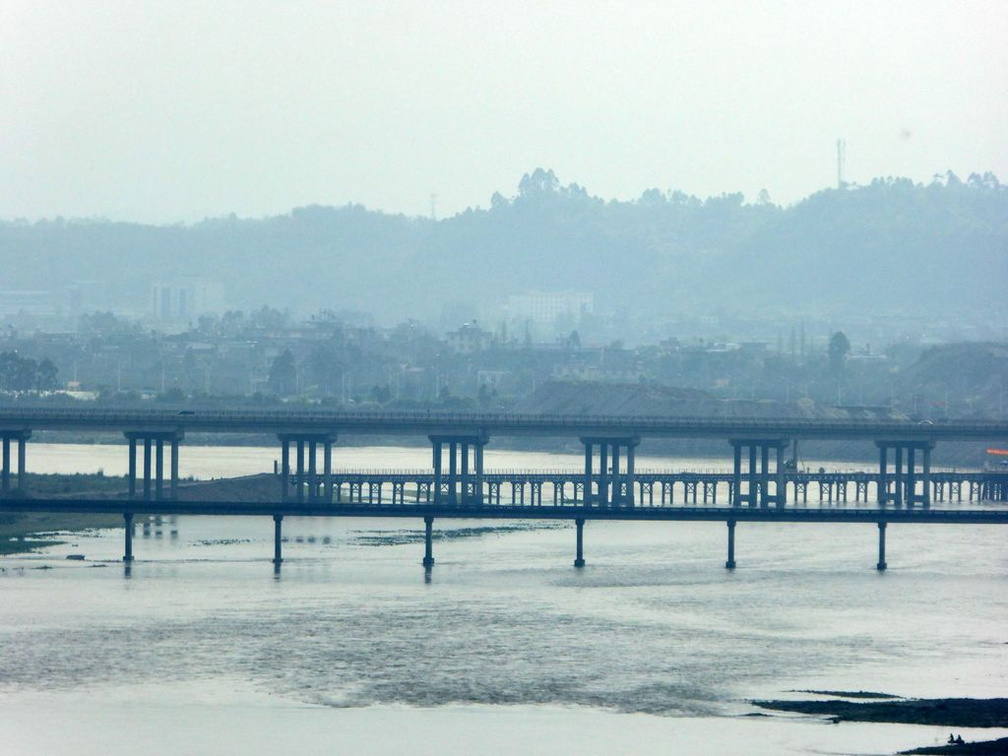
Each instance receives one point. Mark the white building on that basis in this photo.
(186, 298)
(544, 308)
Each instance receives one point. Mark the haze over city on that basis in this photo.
(443, 377)
(159, 113)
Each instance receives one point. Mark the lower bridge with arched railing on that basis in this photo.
(648, 489)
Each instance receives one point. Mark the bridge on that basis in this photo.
(610, 486)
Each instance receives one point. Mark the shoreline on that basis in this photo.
(883, 708)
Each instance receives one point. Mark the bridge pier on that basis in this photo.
(757, 477)
(21, 436)
(730, 563)
(881, 547)
(153, 456)
(462, 485)
(900, 486)
(613, 486)
(428, 560)
(277, 540)
(306, 476)
(128, 527)
(579, 552)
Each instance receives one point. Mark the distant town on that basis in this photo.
(343, 359)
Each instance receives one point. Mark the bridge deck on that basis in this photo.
(13, 419)
(489, 511)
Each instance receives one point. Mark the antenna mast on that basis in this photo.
(841, 163)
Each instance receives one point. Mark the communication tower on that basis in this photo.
(841, 163)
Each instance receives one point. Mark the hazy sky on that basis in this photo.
(174, 111)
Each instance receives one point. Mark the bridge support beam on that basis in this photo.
(305, 473)
(900, 486)
(428, 560)
(881, 547)
(730, 563)
(21, 436)
(153, 457)
(464, 482)
(579, 552)
(758, 475)
(128, 527)
(277, 540)
(612, 486)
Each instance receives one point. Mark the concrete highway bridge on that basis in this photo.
(457, 485)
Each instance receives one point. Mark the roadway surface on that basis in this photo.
(14, 420)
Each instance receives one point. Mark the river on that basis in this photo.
(504, 649)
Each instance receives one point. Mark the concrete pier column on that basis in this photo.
(881, 547)
(300, 474)
(730, 563)
(764, 476)
(159, 469)
(603, 480)
(284, 468)
(464, 472)
(630, 495)
(780, 494)
(22, 447)
(753, 475)
(128, 527)
(147, 469)
(736, 492)
(327, 471)
(277, 539)
(926, 476)
(132, 466)
(312, 471)
(464, 481)
(428, 560)
(587, 473)
(910, 495)
(174, 468)
(897, 494)
(453, 472)
(882, 486)
(478, 474)
(617, 477)
(579, 553)
(437, 471)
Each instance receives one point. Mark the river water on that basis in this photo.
(504, 648)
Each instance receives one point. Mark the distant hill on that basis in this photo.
(956, 380)
(892, 246)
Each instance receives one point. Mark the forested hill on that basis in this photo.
(890, 246)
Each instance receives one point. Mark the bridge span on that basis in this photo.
(609, 487)
(458, 440)
(577, 513)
